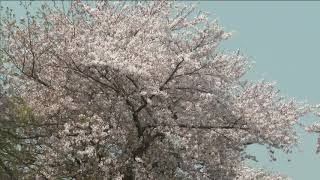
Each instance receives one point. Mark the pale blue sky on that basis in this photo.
(283, 39)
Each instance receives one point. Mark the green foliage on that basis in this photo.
(15, 124)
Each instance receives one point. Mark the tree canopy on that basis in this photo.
(138, 90)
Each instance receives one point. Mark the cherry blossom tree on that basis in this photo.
(140, 90)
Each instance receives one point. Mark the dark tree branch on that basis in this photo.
(199, 127)
(146, 144)
(171, 76)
